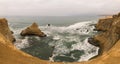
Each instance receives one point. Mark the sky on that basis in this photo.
(58, 7)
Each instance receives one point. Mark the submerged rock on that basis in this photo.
(32, 30)
(5, 30)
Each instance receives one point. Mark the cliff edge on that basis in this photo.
(5, 30)
(109, 40)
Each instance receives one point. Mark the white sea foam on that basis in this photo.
(22, 43)
(65, 35)
(90, 50)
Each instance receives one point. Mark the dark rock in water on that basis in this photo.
(94, 42)
(48, 24)
(95, 30)
(12, 32)
(32, 30)
(77, 29)
(5, 30)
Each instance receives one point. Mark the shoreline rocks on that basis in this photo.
(109, 40)
(5, 30)
(32, 30)
(110, 32)
(93, 42)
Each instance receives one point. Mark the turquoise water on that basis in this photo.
(66, 41)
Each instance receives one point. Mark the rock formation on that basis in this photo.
(104, 24)
(32, 30)
(110, 32)
(109, 40)
(10, 55)
(4, 29)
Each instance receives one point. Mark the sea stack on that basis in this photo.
(32, 30)
(5, 30)
(109, 40)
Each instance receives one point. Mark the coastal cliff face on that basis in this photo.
(4, 29)
(8, 52)
(109, 32)
(109, 39)
(10, 55)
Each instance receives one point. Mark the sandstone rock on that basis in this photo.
(104, 24)
(10, 55)
(109, 40)
(110, 34)
(32, 30)
(4, 29)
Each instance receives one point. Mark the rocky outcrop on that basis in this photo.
(110, 34)
(109, 40)
(32, 30)
(4, 29)
(104, 24)
(10, 55)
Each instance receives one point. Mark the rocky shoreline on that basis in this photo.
(108, 38)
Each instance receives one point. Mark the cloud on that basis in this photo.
(58, 7)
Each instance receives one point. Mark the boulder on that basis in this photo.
(32, 30)
(5, 30)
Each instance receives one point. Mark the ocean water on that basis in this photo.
(66, 41)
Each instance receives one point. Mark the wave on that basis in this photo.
(67, 41)
(22, 43)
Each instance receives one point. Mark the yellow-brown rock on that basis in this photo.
(110, 34)
(33, 30)
(109, 41)
(4, 29)
(104, 24)
(10, 55)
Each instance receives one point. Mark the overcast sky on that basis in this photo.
(58, 7)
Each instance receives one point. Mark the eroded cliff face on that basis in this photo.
(110, 32)
(109, 39)
(8, 52)
(10, 55)
(4, 29)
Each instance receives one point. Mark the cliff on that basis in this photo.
(109, 40)
(8, 53)
(109, 32)
(5, 30)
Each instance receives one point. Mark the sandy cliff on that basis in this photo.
(4, 29)
(109, 39)
(8, 53)
(109, 32)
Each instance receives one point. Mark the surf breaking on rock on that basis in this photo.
(62, 42)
